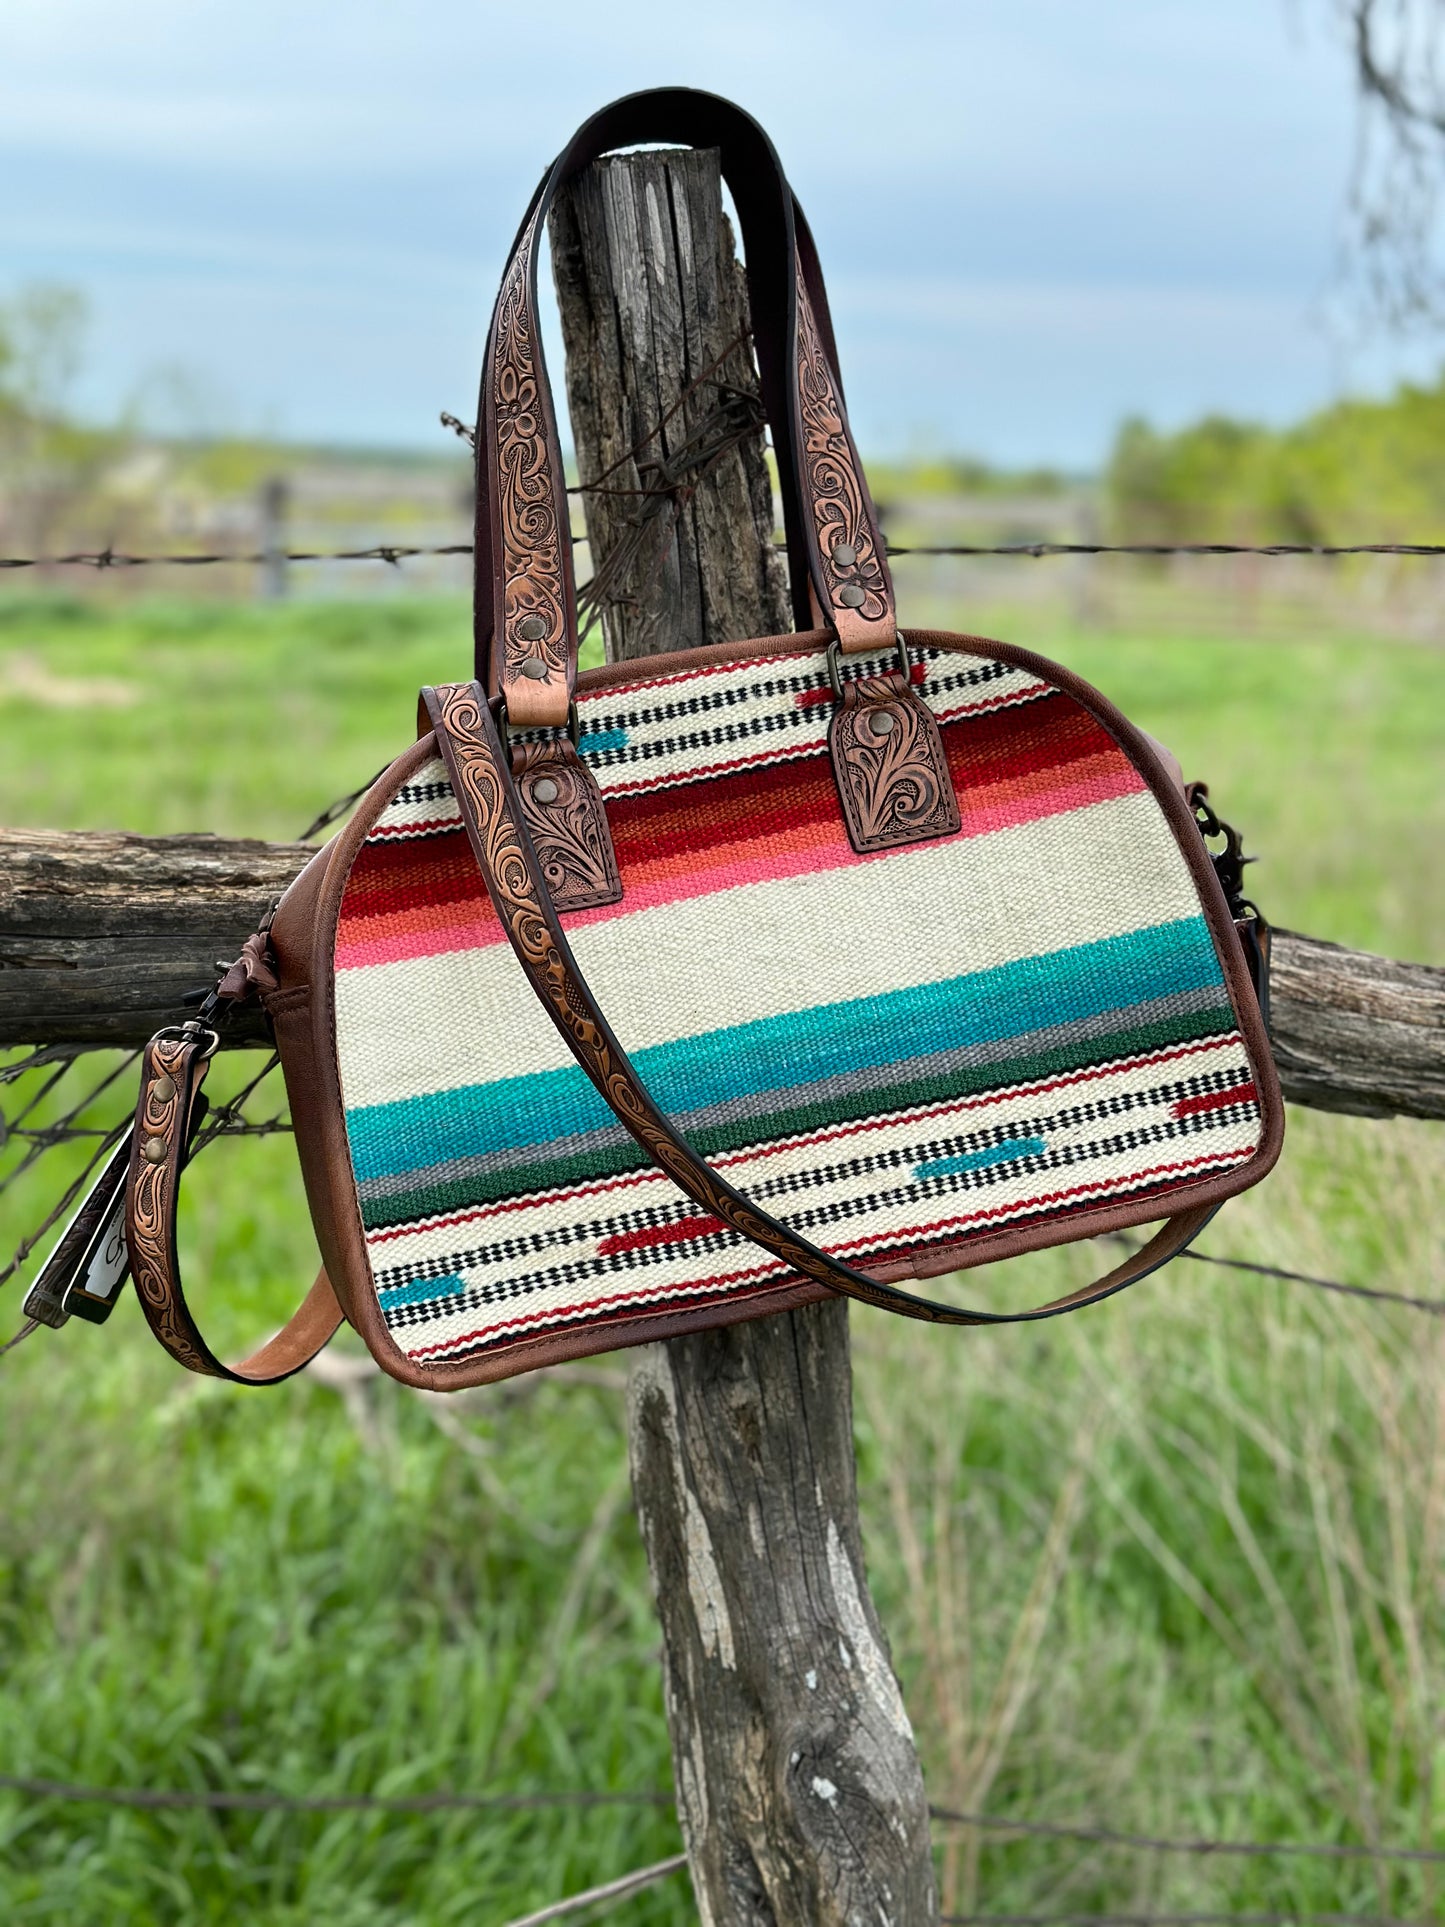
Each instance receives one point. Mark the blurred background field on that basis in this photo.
(1175, 1564)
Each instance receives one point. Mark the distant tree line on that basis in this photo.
(1355, 471)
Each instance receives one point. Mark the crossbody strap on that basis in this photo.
(172, 1071)
(467, 737)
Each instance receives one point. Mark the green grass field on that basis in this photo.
(1176, 1564)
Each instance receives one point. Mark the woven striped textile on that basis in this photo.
(894, 1053)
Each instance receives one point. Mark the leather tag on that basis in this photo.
(567, 823)
(890, 768)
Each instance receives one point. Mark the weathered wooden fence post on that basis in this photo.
(275, 501)
(798, 1783)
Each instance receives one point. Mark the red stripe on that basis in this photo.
(683, 1232)
(1215, 1101)
(758, 803)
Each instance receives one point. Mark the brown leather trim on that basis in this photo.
(534, 621)
(522, 575)
(307, 935)
(303, 938)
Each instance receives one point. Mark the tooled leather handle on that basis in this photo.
(173, 1069)
(471, 748)
(525, 595)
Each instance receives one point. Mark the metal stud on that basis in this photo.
(882, 722)
(851, 596)
(534, 669)
(164, 1088)
(844, 554)
(154, 1150)
(532, 628)
(544, 790)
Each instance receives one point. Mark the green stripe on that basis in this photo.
(559, 1174)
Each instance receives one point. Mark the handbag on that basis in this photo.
(682, 991)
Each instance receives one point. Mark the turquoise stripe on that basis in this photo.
(421, 1291)
(800, 1048)
(593, 742)
(1016, 1147)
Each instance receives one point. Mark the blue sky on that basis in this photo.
(1035, 216)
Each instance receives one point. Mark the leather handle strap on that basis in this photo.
(173, 1070)
(467, 737)
(525, 594)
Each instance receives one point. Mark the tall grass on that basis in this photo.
(1175, 1564)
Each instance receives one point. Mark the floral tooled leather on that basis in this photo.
(890, 767)
(567, 823)
(172, 1072)
(535, 573)
(860, 597)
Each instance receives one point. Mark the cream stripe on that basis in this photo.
(919, 917)
(981, 1208)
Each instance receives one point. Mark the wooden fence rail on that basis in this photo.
(102, 935)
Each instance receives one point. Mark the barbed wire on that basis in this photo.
(1434, 1306)
(226, 1119)
(396, 553)
(109, 558)
(63, 1130)
(451, 1799)
(1146, 1842)
(216, 1799)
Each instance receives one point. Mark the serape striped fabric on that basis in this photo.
(894, 1053)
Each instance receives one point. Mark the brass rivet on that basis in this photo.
(882, 722)
(545, 790)
(531, 628)
(851, 596)
(844, 554)
(534, 669)
(164, 1088)
(154, 1150)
